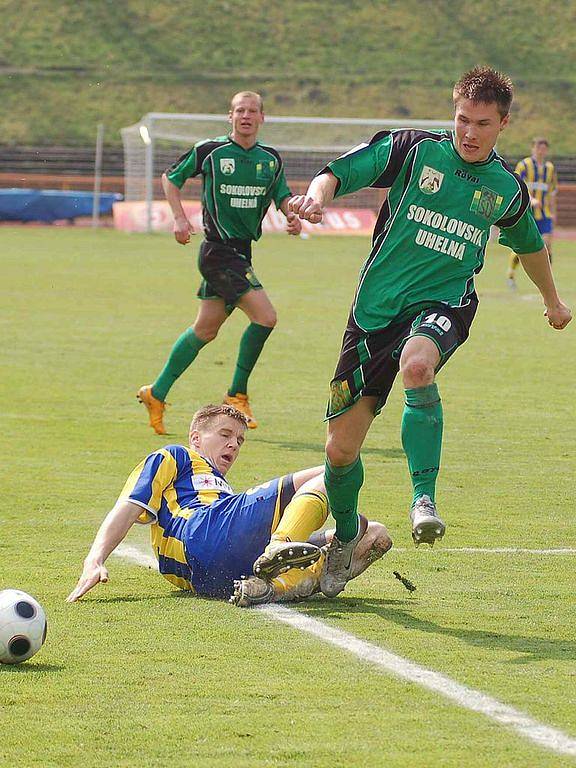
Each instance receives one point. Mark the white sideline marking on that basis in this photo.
(134, 554)
(468, 698)
(499, 550)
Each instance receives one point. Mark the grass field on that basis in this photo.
(138, 674)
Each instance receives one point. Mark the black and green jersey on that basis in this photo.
(431, 233)
(238, 185)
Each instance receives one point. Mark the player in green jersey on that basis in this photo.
(241, 177)
(415, 300)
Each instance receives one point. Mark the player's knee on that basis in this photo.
(268, 319)
(206, 332)
(340, 454)
(417, 371)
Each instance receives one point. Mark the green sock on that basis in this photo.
(251, 344)
(342, 488)
(422, 438)
(183, 353)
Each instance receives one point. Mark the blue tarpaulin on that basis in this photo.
(51, 204)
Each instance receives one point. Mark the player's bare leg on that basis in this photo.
(262, 315)
(548, 243)
(344, 476)
(422, 435)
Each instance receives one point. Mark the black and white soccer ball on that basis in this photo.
(22, 626)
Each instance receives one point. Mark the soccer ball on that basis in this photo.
(22, 626)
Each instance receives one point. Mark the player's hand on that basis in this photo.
(182, 230)
(293, 224)
(93, 574)
(306, 208)
(559, 315)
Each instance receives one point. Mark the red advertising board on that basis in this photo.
(132, 217)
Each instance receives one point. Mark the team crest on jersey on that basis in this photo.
(486, 203)
(227, 165)
(430, 180)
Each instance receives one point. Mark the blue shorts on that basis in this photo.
(222, 540)
(545, 226)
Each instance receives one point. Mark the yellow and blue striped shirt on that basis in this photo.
(542, 183)
(170, 485)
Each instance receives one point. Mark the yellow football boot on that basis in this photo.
(155, 408)
(242, 404)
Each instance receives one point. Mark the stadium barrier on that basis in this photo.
(370, 198)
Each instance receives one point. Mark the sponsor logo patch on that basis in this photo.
(466, 176)
(430, 180)
(265, 170)
(210, 483)
(486, 203)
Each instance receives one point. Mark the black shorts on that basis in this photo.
(369, 362)
(226, 269)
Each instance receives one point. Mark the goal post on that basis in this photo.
(306, 144)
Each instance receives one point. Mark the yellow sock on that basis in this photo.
(296, 584)
(305, 514)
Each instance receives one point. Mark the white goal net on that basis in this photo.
(305, 143)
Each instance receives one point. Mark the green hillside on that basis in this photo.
(64, 65)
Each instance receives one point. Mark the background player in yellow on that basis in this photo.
(206, 537)
(542, 182)
(240, 179)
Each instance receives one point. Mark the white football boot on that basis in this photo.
(338, 567)
(426, 524)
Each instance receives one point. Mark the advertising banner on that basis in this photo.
(131, 217)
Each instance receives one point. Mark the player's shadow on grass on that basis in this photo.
(529, 648)
(298, 446)
(29, 668)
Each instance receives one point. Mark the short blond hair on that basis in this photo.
(247, 95)
(205, 416)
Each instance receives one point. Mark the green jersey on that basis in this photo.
(431, 233)
(238, 185)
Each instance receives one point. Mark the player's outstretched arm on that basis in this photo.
(114, 528)
(182, 226)
(293, 223)
(537, 267)
(320, 194)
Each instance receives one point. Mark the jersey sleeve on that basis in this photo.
(187, 166)
(376, 164)
(518, 229)
(553, 189)
(280, 188)
(148, 481)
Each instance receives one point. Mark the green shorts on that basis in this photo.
(369, 362)
(227, 273)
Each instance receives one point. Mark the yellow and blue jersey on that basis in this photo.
(542, 183)
(202, 533)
